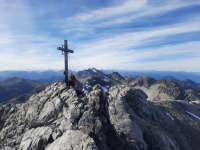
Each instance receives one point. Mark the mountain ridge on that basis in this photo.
(156, 91)
(14, 87)
(118, 119)
(35, 75)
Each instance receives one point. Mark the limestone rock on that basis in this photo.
(120, 118)
(56, 134)
(73, 140)
(36, 138)
(143, 81)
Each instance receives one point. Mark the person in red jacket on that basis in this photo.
(72, 80)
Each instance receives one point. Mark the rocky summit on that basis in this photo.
(119, 118)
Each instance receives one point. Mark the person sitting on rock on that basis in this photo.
(72, 80)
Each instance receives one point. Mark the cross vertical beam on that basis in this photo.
(66, 63)
(66, 51)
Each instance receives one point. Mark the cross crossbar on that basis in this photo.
(65, 50)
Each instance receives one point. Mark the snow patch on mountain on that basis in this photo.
(85, 91)
(106, 79)
(193, 115)
(105, 88)
(169, 116)
(94, 70)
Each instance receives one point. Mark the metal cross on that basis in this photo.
(65, 49)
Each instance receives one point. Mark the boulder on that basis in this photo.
(73, 140)
(36, 139)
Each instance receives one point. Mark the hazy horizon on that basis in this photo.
(105, 70)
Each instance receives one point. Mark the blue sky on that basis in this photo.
(105, 34)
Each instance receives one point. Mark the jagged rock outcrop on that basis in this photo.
(129, 79)
(116, 78)
(106, 81)
(143, 81)
(118, 119)
(170, 88)
(81, 75)
(91, 81)
(163, 89)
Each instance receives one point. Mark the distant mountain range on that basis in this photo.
(181, 75)
(172, 89)
(113, 113)
(14, 87)
(32, 75)
(47, 76)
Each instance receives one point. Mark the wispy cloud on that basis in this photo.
(133, 11)
(105, 13)
(132, 34)
(125, 41)
(145, 57)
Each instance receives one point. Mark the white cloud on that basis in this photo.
(26, 43)
(186, 64)
(124, 41)
(127, 7)
(147, 11)
(129, 11)
(134, 59)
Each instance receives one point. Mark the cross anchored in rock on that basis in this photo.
(65, 49)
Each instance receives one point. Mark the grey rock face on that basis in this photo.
(170, 88)
(89, 72)
(56, 134)
(123, 114)
(118, 119)
(36, 138)
(143, 81)
(163, 90)
(155, 90)
(116, 78)
(73, 140)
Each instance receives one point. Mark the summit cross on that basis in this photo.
(65, 50)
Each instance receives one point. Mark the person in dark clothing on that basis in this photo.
(72, 80)
(72, 83)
